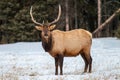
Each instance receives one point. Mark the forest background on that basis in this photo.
(17, 26)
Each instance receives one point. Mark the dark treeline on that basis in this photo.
(16, 24)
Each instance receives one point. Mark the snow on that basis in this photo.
(28, 61)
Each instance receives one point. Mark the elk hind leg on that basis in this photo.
(89, 60)
(90, 64)
(86, 62)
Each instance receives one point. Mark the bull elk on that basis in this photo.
(60, 44)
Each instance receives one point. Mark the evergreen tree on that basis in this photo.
(16, 24)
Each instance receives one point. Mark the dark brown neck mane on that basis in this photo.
(47, 46)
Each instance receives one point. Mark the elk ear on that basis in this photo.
(39, 28)
(51, 27)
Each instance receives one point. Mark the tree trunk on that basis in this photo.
(67, 17)
(75, 7)
(106, 22)
(99, 16)
(106, 31)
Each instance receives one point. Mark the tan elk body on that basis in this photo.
(70, 43)
(60, 44)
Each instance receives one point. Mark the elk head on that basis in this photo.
(46, 28)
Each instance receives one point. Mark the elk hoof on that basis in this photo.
(61, 73)
(56, 73)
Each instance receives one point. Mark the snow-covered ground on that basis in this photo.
(28, 61)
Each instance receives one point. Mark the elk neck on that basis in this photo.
(47, 45)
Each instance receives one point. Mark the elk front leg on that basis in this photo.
(56, 65)
(61, 58)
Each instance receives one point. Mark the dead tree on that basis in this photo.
(105, 23)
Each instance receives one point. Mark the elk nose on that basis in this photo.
(45, 34)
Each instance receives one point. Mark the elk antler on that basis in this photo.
(48, 23)
(57, 17)
(33, 18)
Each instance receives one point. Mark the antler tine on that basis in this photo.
(33, 18)
(59, 14)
